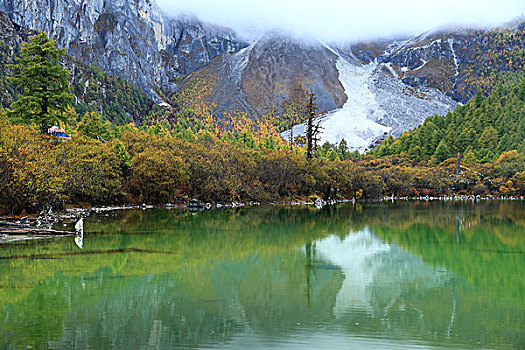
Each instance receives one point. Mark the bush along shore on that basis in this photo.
(52, 158)
(40, 172)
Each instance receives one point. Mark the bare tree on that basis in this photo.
(291, 139)
(312, 131)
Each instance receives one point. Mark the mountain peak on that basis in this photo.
(131, 39)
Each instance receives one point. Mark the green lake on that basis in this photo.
(401, 275)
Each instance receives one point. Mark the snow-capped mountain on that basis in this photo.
(365, 91)
(378, 104)
(361, 102)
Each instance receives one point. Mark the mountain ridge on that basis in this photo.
(130, 39)
(406, 81)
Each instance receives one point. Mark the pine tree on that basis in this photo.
(43, 83)
(489, 139)
(332, 155)
(343, 148)
(470, 157)
(442, 151)
(504, 144)
(414, 152)
(94, 126)
(122, 156)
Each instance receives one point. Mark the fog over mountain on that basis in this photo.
(348, 20)
(366, 91)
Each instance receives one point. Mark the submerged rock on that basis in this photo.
(196, 205)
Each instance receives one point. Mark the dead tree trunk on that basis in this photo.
(312, 131)
(291, 139)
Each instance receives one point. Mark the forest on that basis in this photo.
(483, 129)
(187, 152)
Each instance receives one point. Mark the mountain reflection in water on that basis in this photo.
(386, 275)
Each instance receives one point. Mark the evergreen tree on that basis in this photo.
(442, 151)
(414, 152)
(43, 83)
(489, 139)
(343, 149)
(269, 143)
(504, 144)
(122, 156)
(94, 126)
(332, 155)
(325, 148)
(470, 158)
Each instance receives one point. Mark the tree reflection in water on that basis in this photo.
(440, 274)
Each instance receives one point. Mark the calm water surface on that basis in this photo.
(376, 276)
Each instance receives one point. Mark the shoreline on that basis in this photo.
(16, 229)
(15, 232)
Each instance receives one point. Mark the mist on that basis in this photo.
(347, 20)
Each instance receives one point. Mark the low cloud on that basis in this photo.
(348, 20)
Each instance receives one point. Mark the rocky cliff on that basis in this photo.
(132, 39)
(116, 98)
(456, 62)
(274, 69)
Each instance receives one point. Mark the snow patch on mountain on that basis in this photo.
(456, 59)
(356, 121)
(391, 69)
(379, 104)
(353, 122)
(241, 59)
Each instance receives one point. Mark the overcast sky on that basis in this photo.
(347, 20)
